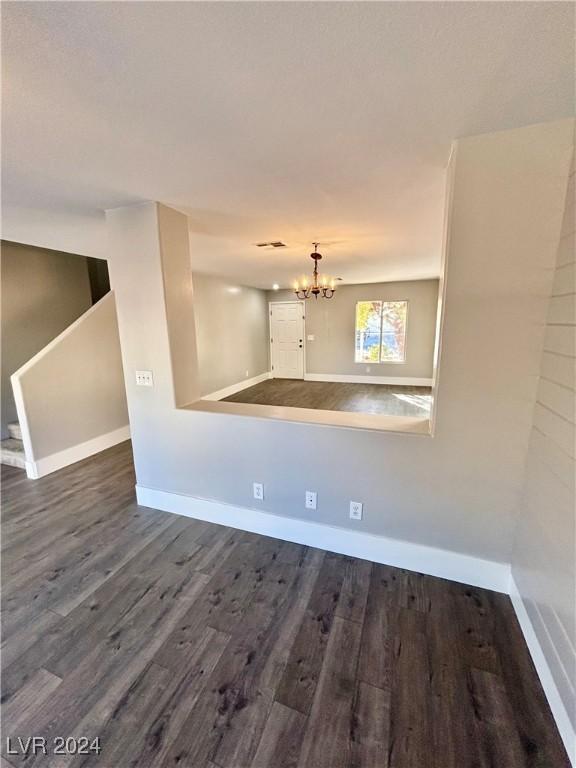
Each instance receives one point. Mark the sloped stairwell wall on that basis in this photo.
(70, 397)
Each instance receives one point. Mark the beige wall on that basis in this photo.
(544, 557)
(43, 292)
(73, 390)
(177, 278)
(332, 323)
(232, 332)
(458, 489)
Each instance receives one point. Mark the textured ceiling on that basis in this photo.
(273, 120)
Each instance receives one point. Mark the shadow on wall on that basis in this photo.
(43, 292)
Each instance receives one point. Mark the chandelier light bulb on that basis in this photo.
(322, 285)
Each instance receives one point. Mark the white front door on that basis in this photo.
(287, 339)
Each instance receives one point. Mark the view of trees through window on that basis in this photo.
(381, 331)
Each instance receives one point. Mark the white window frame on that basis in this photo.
(382, 362)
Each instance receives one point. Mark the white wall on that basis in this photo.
(231, 331)
(458, 489)
(72, 392)
(78, 232)
(544, 559)
(332, 323)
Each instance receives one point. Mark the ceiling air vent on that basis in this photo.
(274, 244)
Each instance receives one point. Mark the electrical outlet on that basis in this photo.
(311, 499)
(144, 379)
(355, 510)
(258, 490)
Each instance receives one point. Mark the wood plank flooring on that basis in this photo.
(337, 396)
(189, 645)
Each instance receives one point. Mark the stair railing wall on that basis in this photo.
(70, 397)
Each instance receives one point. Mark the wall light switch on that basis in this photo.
(311, 337)
(144, 379)
(258, 489)
(311, 499)
(355, 510)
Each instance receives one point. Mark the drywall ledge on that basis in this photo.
(374, 422)
(367, 546)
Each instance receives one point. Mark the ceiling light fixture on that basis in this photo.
(320, 285)
(275, 287)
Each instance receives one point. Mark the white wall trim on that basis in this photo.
(368, 546)
(408, 381)
(41, 467)
(563, 722)
(233, 388)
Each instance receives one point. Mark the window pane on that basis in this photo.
(368, 336)
(394, 331)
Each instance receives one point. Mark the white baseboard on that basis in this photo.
(407, 381)
(563, 722)
(49, 464)
(233, 388)
(402, 554)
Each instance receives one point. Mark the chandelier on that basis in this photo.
(320, 285)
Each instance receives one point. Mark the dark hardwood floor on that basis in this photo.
(388, 399)
(181, 643)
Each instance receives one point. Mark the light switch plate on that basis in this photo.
(311, 337)
(144, 379)
(355, 510)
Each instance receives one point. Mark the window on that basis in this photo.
(381, 331)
